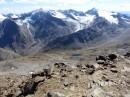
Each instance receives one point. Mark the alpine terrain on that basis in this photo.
(65, 53)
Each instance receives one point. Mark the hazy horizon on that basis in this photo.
(21, 6)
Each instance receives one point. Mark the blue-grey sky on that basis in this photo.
(20, 6)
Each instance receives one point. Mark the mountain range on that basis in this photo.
(42, 30)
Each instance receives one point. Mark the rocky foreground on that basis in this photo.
(107, 76)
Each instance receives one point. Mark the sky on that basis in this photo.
(21, 6)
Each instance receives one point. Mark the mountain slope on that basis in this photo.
(36, 30)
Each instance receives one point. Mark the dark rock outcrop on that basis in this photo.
(106, 60)
(112, 57)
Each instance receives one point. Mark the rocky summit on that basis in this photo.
(107, 76)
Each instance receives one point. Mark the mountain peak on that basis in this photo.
(74, 12)
(92, 11)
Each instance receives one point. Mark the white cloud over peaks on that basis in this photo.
(72, 1)
(83, 5)
(65, 2)
(2, 1)
(31, 1)
(125, 7)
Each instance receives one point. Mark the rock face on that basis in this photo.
(61, 80)
(9, 33)
(77, 39)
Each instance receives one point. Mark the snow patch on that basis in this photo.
(81, 22)
(124, 18)
(85, 19)
(19, 22)
(58, 14)
(76, 23)
(14, 16)
(25, 21)
(108, 16)
(2, 17)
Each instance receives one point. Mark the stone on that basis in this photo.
(40, 73)
(28, 88)
(60, 65)
(114, 70)
(100, 57)
(112, 57)
(101, 62)
(127, 54)
(38, 79)
(90, 69)
(55, 94)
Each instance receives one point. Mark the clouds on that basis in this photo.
(52, 4)
(64, 2)
(44, 1)
(28, 5)
(125, 6)
(57, 2)
(31, 1)
(2, 1)
(72, 1)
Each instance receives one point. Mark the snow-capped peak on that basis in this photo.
(57, 14)
(84, 21)
(92, 11)
(108, 16)
(2, 17)
(79, 19)
(14, 16)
